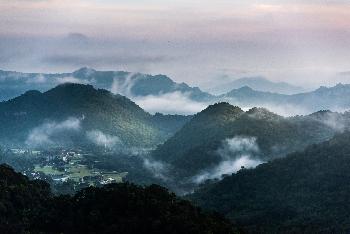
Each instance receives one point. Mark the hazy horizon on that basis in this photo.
(197, 42)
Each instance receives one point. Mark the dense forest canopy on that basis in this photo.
(223, 127)
(306, 192)
(29, 207)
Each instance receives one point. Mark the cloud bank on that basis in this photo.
(170, 103)
(124, 86)
(235, 153)
(102, 139)
(304, 42)
(157, 168)
(43, 135)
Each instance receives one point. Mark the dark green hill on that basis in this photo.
(29, 207)
(306, 192)
(207, 126)
(194, 148)
(72, 110)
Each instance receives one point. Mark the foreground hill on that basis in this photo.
(78, 115)
(225, 133)
(29, 207)
(306, 192)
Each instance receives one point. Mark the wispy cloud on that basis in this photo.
(236, 153)
(102, 139)
(42, 135)
(170, 103)
(158, 169)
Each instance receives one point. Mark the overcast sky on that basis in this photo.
(195, 41)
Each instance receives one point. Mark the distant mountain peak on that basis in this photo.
(245, 88)
(84, 71)
(261, 84)
(337, 87)
(242, 90)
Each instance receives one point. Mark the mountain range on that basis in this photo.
(121, 82)
(260, 84)
(245, 92)
(265, 172)
(323, 98)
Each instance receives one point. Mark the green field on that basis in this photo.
(77, 172)
(48, 170)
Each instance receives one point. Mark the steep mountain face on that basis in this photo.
(224, 133)
(129, 84)
(78, 114)
(306, 192)
(333, 98)
(261, 84)
(30, 207)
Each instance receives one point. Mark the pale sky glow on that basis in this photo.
(199, 42)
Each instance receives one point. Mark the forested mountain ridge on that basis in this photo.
(76, 109)
(225, 127)
(305, 192)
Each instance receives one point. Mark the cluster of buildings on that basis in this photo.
(60, 165)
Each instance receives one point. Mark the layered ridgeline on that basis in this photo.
(30, 207)
(222, 138)
(306, 192)
(126, 83)
(334, 98)
(245, 92)
(259, 84)
(76, 115)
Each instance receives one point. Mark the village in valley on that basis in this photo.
(59, 166)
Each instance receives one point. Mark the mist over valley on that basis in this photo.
(174, 117)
